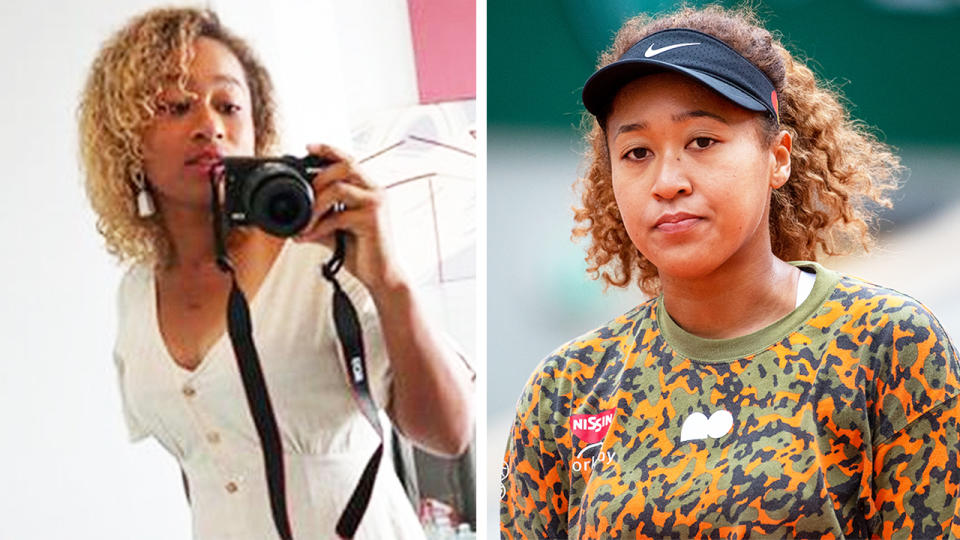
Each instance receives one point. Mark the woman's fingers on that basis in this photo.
(362, 217)
(341, 167)
(328, 152)
(349, 197)
(338, 172)
(355, 221)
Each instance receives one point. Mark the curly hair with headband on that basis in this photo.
(840, 173)
(120, 101)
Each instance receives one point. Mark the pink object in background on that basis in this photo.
(444, 43)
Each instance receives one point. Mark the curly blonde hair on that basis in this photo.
(839, 177)
(120, 101)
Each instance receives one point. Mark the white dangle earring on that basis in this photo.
(145, 205)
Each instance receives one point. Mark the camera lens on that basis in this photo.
(280, 202)
(283, 208)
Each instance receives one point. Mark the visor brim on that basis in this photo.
(600, 89)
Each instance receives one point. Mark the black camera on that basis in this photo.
(272, 193)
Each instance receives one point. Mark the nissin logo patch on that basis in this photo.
(591, 428)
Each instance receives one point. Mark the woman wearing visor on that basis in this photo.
(756, 393)
(168, 97)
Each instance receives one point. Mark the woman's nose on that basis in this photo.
(208, 124)
(670, 178)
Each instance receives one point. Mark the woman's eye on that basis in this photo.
(703, 142)
(175, 108)
(229, 108)
(638, 153)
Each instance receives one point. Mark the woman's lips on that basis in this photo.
(678, 226)
(206, 158)
(204, 164)
(675, 223)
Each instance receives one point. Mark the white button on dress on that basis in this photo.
(201, 416)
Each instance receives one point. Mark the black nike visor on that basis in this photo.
(688, 52)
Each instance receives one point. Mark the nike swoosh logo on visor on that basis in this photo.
(651, 51)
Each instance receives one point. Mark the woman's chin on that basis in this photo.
(686, 267)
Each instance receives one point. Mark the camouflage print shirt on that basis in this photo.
(839, 420)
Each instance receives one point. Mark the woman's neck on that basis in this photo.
(738, 298)
(192, 242)
(190, 232)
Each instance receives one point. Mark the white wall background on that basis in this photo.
(66, 469)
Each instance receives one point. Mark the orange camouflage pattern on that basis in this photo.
(844, 427)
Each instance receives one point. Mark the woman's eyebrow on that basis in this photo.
(625, 128)
(699, 113)
(679, 117)
(219, 78)
(228, 79)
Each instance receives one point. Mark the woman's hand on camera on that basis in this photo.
(425, 368)
(364, 219)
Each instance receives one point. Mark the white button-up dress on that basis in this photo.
(201, 416)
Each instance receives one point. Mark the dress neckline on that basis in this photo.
(223, 339)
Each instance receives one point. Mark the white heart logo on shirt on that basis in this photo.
(697, 426)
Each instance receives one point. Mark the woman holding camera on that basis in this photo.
(169, 96)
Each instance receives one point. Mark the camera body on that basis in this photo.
(272, 193)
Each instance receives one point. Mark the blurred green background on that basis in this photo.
(896, 62)
(539, 52)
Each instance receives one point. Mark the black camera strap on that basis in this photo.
(350, 335)
(255, 387)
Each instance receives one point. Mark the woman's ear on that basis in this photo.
(782, 145)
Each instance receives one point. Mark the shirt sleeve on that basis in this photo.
(135, 429)
(534, 481)
(916, 476)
